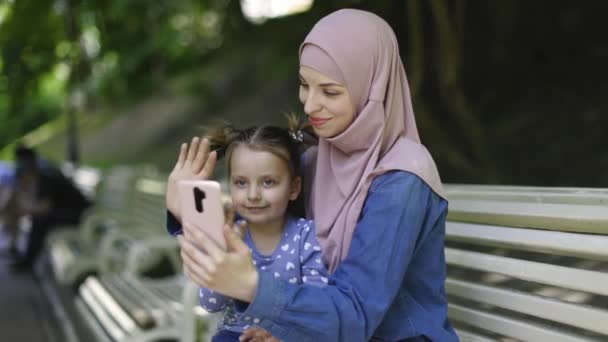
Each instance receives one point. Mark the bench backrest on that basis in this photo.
(528, 263)
(144, 218)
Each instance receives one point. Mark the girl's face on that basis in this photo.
(261, 186)
(326, 102)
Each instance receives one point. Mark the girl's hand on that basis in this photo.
(230, 272)
(194, 162)
(239, 227)
(257, 335)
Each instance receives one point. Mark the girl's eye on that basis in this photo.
(304, 85)
(269, 182)
(330, 93)
(239, 183)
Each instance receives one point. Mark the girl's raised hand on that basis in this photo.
(194, 163)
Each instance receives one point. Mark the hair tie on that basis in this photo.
(297, 135)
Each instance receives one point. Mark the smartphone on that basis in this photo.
(201, 205)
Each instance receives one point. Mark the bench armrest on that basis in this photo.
(141, 249)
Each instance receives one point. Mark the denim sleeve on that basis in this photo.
(174, 227)
(364, 285)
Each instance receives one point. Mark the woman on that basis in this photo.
(375, 197)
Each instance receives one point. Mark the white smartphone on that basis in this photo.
(201, 205)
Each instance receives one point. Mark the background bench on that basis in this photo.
(118, 277)
(528, 263)
(524, 263)
(129, 306)
(129, 206)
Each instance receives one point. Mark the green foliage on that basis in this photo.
(116, 51)
(488, 79)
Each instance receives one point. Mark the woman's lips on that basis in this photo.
(316, 122)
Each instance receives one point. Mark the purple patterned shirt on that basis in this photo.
(296, 259)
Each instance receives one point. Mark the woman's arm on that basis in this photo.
(364, 285)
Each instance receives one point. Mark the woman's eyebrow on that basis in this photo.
(326, 84)
(329, 84)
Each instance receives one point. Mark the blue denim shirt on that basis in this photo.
(390, 287)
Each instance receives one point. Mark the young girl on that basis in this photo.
(263, 165)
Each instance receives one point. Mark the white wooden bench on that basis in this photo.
(124, 268)
(528, 263)
(67, 246)
(524, 264)
(129, 208)
(130, 307)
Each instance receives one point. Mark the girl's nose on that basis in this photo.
(253, 194)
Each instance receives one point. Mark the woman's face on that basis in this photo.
(326, 102)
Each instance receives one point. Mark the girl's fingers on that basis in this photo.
(261, 335)
(246, 335)
(234, 241)
(209, 166)
(228, 214)
(241, 228)
(192, 151)
(183, 149)
(254, 334)
(201, 156)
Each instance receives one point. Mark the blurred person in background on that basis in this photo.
(8, 213)
(48, 197)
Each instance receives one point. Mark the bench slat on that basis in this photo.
(99, 333)
(127, 303)
(110, 326)
(571, 314)
(551, 242)
(554, 197)
(577, 279)
(152, 308)
(542, 190)
(170, 296)
(139, 309)
(60, 255)
(466, 336)
(509, 326)
(117, 312)
(567, 217)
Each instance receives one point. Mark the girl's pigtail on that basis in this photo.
(220, 137)
(301, 131)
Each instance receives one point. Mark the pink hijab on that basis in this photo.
(359, 49)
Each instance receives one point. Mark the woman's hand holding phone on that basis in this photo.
(195, 162)
(228, 271)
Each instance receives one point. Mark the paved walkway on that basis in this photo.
(25, 315)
